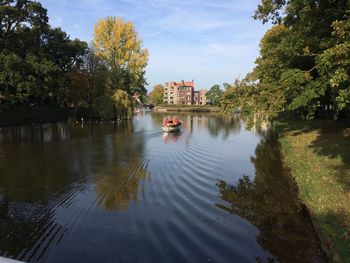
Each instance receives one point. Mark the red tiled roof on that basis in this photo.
(180, 83)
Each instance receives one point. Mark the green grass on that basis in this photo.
(318, 153)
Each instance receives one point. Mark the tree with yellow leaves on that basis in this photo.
(118, 44)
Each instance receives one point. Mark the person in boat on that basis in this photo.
(167, 122)
(175, 121)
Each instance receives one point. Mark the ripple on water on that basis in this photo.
(129, 192)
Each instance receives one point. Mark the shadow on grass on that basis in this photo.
(332, 140)
(329, 141)
(337, 241)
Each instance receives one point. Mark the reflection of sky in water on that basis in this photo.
(114, 191)
(228, 140)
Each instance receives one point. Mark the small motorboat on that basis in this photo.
(172, 127)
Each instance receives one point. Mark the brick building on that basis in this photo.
(183, 93)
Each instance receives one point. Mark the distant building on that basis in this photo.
(202, 97)
(179, 93)
(183, 93)
(196, 97)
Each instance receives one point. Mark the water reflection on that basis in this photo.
(51, 132)
(107, 192)
(44, 168)
(269, 202)
(171, 136)
(117, 181)
(224, 126)
(217, 127)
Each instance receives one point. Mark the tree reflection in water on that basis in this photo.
(269, 201)
(40, 176)
(224, 126)
(33, 184)
(117, 182)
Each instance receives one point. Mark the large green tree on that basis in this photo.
(16, 18)
(118, 44)
(214, 95)
(35, 59)
(303, 62)
(334, 66)
(88, 81)
(157, 95)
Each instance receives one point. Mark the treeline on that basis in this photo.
(41, 65)
(304, 62)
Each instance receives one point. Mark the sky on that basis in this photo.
(210, 42)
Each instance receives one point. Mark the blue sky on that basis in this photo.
(209, 41)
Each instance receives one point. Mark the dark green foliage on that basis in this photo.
(214, 95)
(35, 59)
(157, 95)
(304, 60)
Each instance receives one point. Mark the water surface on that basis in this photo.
(127, 192)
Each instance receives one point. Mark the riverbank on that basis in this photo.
(318, 154)
(26, 114)
(186, 108)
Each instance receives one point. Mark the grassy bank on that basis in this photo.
(26, 114)
(186, 108)
(318, 153)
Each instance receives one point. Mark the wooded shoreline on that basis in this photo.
(189, 108)
(25, 114)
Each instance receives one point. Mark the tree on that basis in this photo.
(65, 54)
(123, 104)
(118, 44)
(306, 72)
(157, 95)
(97, 74)
(35, 59)
(78, 89)
(18, 16)
(303, 63)
(88, 81)
(334, 65)
(214, 95)
(18, 19)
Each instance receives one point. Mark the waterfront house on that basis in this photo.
(183, 93)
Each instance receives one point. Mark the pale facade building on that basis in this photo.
(183, 93)
(202, 97)
(179, 93)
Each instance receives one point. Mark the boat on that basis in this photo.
(171, 127)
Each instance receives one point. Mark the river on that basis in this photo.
(127, 192)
